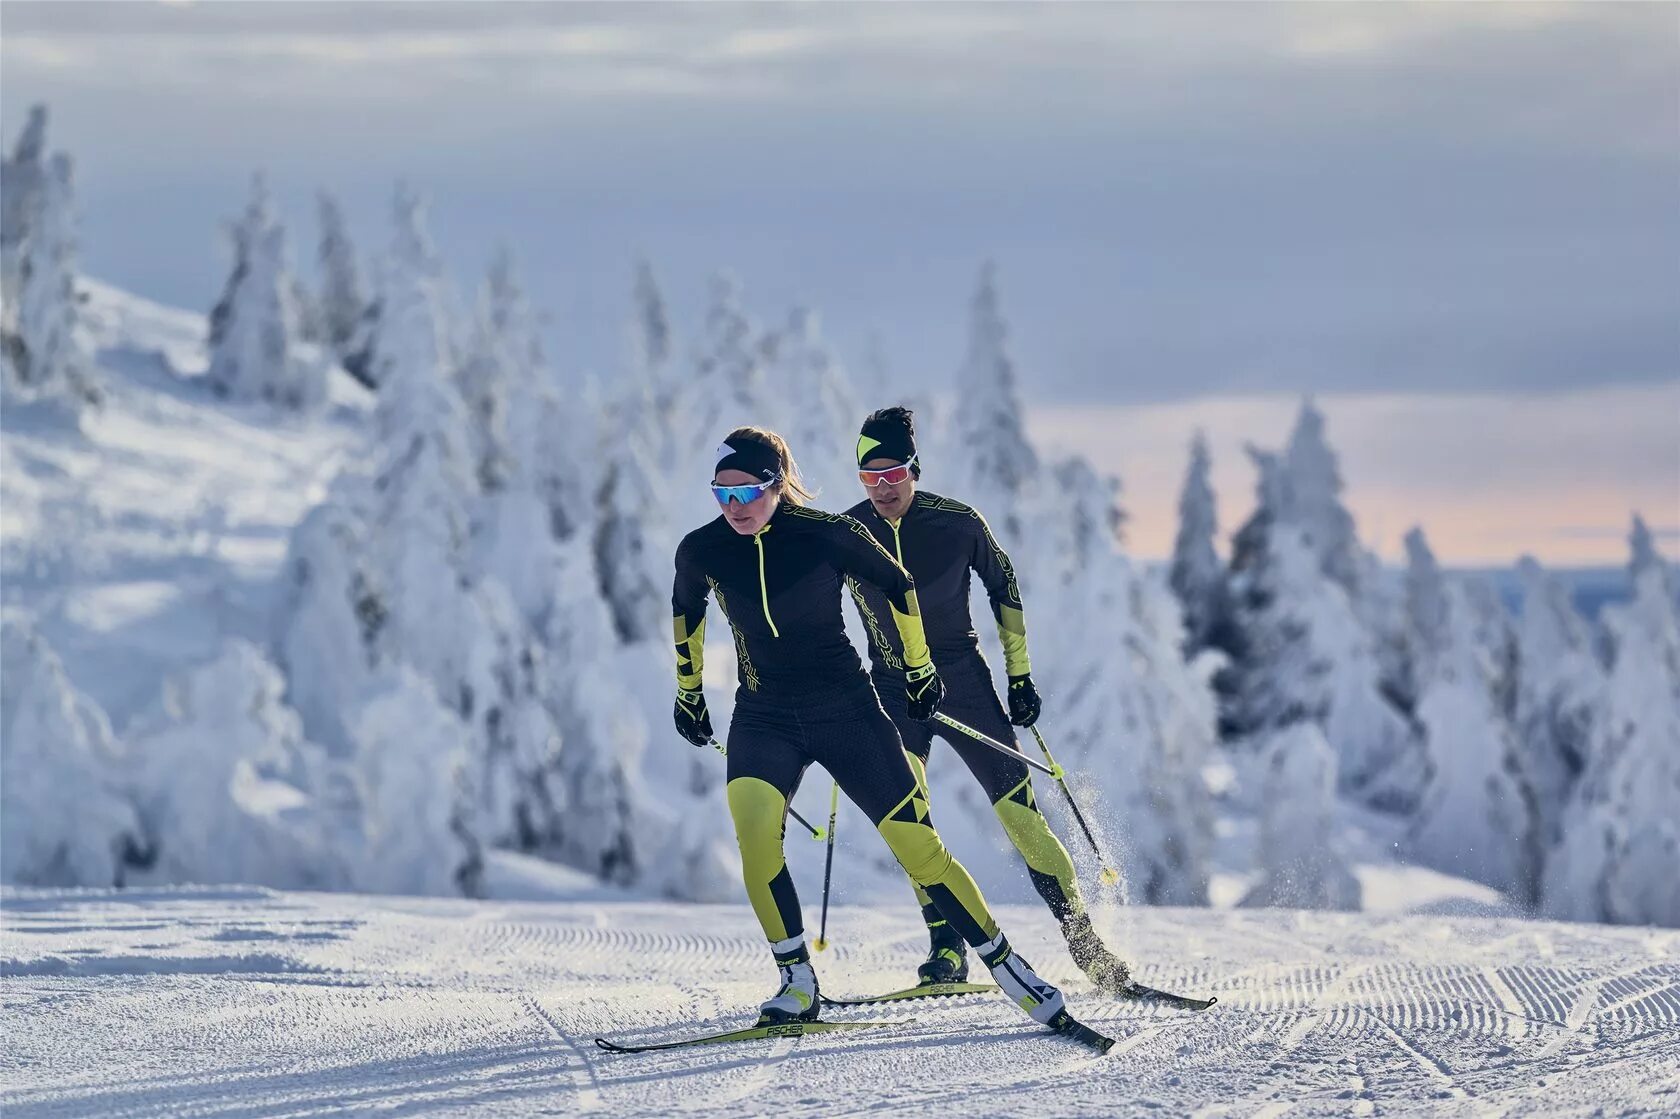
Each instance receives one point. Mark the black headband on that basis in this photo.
(886, 438)
(750, 457)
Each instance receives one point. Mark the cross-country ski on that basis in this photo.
(750, 1033)
(921, 991)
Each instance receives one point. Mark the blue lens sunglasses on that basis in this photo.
(746, 495)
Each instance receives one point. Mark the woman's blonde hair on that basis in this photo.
(793, 486)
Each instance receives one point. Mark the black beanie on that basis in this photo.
(889, 433)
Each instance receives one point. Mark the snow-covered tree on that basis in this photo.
(822, 411)
(412, 284)
(1560, 695)
(650, 330)
(492, 366)
(1310, 498)
(64, 820)
(49, 359)
(22, 178)
(1427, 621)
(1645, 557)
(226, 783)
(1197, 575)
(1620, 840)
(345, 309)
(241, 233)
(728, 386)
(1301, 867)
(633, 550)
(1132, 720)
(602, 732)
(1475, 818)
(513, 718)
(1308, 657)
(255, 354)
(420, 837)
(328, 619)
(989, 422)
(1495, 636)
(544, 445)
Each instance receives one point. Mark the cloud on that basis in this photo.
(1187, 200)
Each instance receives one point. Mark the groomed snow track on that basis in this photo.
(248, 1002)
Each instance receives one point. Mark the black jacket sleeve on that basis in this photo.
(688, 616)
(991, 563)
(860, 556)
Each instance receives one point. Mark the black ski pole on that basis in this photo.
(828, 865)
(1109, 876)
(987, 740)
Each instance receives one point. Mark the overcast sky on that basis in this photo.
(1193, 202)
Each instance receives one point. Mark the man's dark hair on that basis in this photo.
(897, 414)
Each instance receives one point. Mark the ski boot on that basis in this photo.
(1016, 978)
(947, 960)
(796, 1001)
(1106, 970)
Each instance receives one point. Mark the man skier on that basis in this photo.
(939, 541)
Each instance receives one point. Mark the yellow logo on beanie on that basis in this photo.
(865, 445)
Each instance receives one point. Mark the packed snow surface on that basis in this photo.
(237, 1001)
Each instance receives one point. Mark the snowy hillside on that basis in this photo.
(140, 547)
(248, 1002)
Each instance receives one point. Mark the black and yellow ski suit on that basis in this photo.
(940, 541)
(804, 697)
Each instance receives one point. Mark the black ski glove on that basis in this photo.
(694, 722)
(925, 689)
(1024, 704)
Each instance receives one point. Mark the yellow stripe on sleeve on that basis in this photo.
(691, 652)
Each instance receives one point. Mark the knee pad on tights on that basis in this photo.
(757, 809)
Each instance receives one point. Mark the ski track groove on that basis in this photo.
(584, 1080)
(1430, 1066)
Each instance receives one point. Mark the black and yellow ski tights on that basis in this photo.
(851, 737)
(971, 700)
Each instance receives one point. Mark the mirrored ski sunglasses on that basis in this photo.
(891, 476)
(746, 495)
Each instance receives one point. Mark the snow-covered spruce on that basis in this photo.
(1560, 696)
(228, 789)
(346, 312)
(417, 809)
(1197, 575)
(45, 356)
(988, 433)
(1476, 815)
(1132, 720)
(1300, 865)
(823, 411)
(64, 817)
(257, 344)
(1307, 657)
(1620, 841)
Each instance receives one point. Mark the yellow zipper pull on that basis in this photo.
(763, 586)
